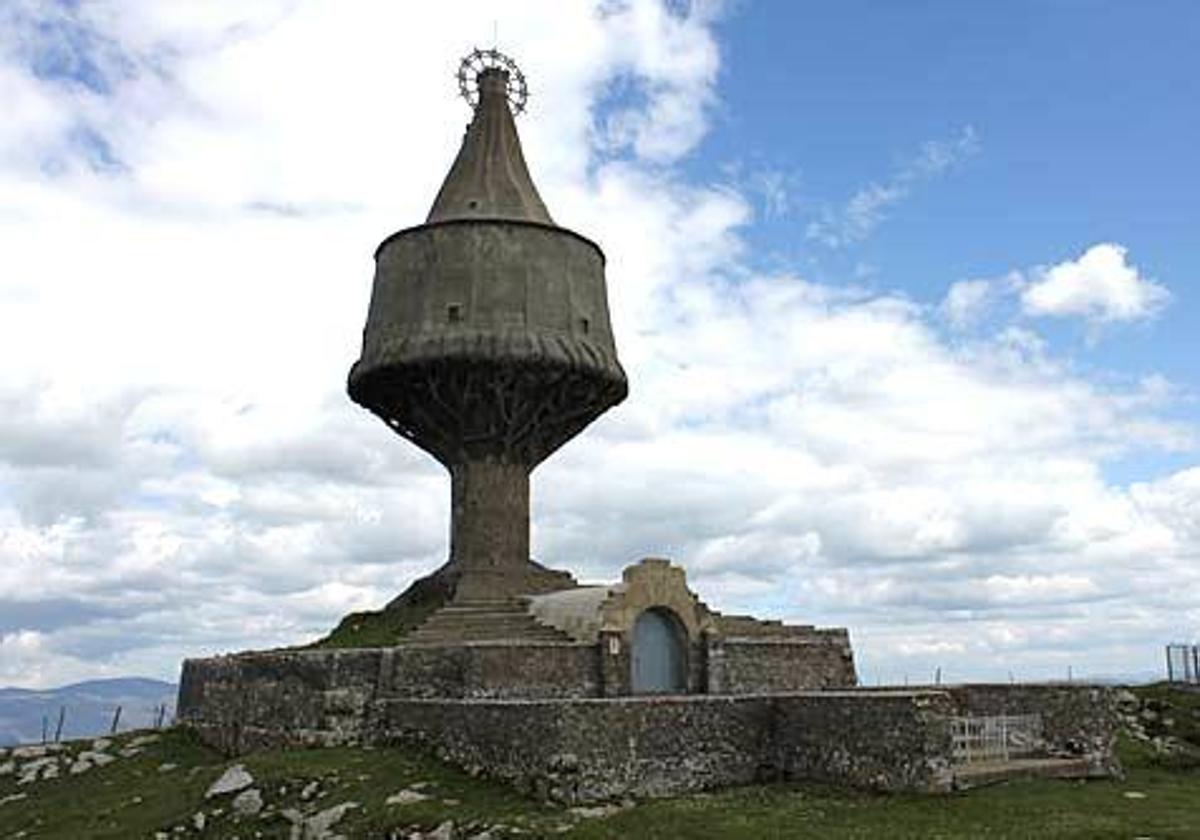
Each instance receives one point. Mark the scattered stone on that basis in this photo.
(130, 752)
(161, 835)
(445, 831)
(199, 821)
(317, 827)
(35, 750)
(406, 797)
(1134, 794)
(29, 772)
(594, 812)
(310, 790)
(81, 765)
(166, 767)
(101, 744)
(232, 780)
(99, 758)
(7, 767)
(143, 740)
(12, 797)
(422, 785)
(248, 803)
(453, 803)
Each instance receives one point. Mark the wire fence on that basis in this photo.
(143, 718)
(1183, 664)
(990, 738)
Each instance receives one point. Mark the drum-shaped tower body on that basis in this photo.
(488, 344)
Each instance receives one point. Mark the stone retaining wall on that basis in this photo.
(279, 698)
(588, 750)
(579, 749)
(1077, 720)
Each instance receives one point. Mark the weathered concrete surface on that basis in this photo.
(488, 344)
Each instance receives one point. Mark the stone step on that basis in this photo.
(988, 773)
(483, 621)
(478, 616)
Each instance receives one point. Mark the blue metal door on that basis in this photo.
(658, 654)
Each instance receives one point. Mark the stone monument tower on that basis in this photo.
(488, 342)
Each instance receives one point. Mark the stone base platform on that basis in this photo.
(578, 750)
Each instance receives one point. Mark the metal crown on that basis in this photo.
(476, 62)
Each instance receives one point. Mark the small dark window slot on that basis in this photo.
(585, 325)
(454, 313)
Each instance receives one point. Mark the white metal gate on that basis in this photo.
(983, 738)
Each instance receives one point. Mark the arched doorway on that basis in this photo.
(659, 654)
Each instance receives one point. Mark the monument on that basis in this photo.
(488, 343)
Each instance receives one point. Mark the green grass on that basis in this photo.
(132, 797)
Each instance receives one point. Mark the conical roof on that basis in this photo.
(489, 178)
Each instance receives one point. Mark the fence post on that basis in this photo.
(116, 720)
(62, 716)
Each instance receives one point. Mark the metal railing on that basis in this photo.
(986, 738)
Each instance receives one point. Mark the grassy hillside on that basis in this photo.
(155, 784)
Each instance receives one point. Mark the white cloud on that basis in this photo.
(966, 300)
(181, 473)
(1099, 286)
(868, 207)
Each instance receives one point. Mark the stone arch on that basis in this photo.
(659, 653)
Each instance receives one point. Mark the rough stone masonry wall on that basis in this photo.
(588, 750)
(279, 698)
(527, 670)
(1077, 720)
(756, 666)
(323, 696)
(882, 740)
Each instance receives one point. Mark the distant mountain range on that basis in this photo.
(87, 707)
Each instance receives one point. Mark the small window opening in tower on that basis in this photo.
(584, 325)
(454, 313)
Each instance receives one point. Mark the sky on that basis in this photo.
(905, 293)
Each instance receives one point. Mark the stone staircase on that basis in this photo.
(505, 620)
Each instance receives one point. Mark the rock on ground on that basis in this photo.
(248, 802)
(406, 797)
(232, 780)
